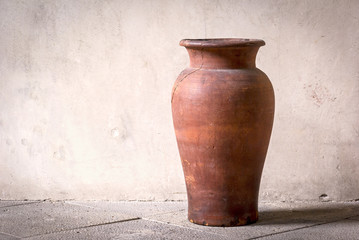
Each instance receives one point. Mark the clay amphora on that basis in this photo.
(222, 108)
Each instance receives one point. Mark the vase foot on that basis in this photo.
(225, 221)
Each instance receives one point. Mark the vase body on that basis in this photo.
(222, 108)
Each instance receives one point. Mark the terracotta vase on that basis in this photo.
(222, 107)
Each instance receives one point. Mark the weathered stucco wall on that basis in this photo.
(85, 92)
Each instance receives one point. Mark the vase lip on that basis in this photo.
(221, 42)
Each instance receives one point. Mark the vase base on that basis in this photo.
(226, 221)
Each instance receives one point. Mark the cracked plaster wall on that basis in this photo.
(85, 90)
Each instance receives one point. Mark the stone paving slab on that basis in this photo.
(167, 220)
(139, 209)
(345, 229)
(260, 228)
(44, 217)
(326, 211)
(137, 229)
(273, 218)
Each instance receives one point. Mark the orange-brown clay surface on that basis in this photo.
(223, 109)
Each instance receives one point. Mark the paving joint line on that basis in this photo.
(163, 213)
(188, 228)
(355, 216)
(295, 229)
(21, 204)
(88, 226)
(8, 234)
(80, 205)
(286, 231)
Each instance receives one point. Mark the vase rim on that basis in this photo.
(221, 42)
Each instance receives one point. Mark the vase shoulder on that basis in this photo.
(252, 77)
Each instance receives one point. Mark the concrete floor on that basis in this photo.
(167, 220)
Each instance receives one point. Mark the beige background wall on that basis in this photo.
(85, 92)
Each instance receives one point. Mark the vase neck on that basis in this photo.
(223, 57)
